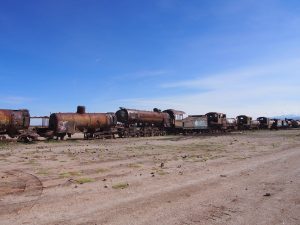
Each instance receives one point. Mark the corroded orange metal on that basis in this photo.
(12, 121)
(131, 116)
(70, 123)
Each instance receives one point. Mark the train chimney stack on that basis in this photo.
(81, 109)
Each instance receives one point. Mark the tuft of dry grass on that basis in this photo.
(122, 185)
(101, 170)
(84, 180)
(134, 165)
(70, 174)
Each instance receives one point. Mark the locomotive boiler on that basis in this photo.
(14, 122)
(91, 124)
(141, 122)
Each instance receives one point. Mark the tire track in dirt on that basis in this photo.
(24, 188)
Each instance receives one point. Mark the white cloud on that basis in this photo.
(269, 90)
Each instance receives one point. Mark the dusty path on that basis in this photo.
(251, 178)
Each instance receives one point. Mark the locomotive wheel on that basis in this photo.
(2, 137)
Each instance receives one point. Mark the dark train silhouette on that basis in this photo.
(130, 123)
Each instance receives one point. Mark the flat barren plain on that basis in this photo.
(239, 178)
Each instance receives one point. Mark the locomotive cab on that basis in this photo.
(244, 122)
(216, 120)
(264, 122)
(176, 117)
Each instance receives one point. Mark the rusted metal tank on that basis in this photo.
(12, 122)
(88, 123)
(243, 122)
(255, 124)
(142, 117)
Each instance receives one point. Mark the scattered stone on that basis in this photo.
(104, 179)
(75, 186)
(179, 166)
(105, 186)
(267, 194)
(223, 175)
(162, 165)
(180, 172)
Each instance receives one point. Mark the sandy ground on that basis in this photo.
(242, 178)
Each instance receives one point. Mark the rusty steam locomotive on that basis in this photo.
(129, 123)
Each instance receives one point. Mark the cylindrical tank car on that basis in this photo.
(91, 124)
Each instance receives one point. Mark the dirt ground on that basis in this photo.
(241, 178)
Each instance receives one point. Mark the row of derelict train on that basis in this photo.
(128, 123)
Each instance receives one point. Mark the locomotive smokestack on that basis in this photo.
(80, 109)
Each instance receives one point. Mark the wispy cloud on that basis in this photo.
(15, 100)
(271, 89)
(239, 77)
(145, 74)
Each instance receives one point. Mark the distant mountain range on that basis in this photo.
(290, 116)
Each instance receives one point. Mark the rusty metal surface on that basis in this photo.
(5, 116)
(73, 122)
(13, 121)
(131, 116)
(175, 118)
(216, 120)
(264, 122)
(195, 122)
(244, 120)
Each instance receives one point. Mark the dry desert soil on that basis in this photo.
(239, 178)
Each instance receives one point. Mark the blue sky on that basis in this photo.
(233, 56)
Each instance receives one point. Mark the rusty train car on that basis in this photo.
(244, 122)
(142, 123)
(216, 121)
(91, 124)
(14, 122)
(195, 124)
(231, 124)
(264, 122)
(129, 123)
